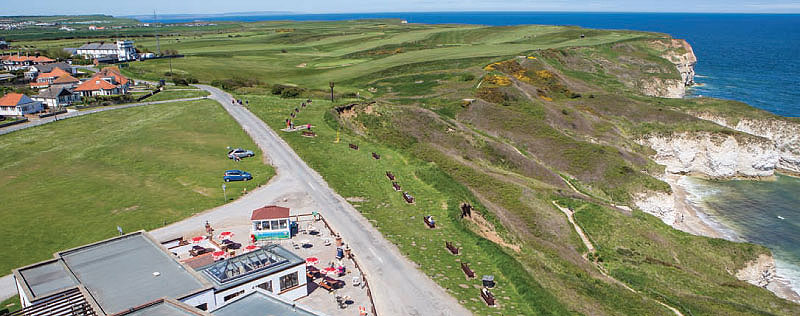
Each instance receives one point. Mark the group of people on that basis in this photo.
(239, 101)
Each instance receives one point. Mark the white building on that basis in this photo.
(134, 271)
(57, 97)
(121, 50)
(15, 104)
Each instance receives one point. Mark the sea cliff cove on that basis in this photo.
(401, 163)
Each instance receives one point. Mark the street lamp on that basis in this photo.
(331, 84)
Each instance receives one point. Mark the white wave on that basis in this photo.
(789, 272)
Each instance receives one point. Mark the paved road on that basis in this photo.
(398, 287)
(13, 128)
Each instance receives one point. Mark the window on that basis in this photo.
(275, 225)
(256, 225)
(202, 307)
(265, 225)
(283, 224)
(230, 296)
(289, 281)
(266, 286)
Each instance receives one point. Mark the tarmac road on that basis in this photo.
(397, 286)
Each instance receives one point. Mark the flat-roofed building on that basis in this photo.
(263, 303)
(270, 222)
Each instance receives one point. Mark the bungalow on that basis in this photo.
(56, 97)
(108, 81)
(35, 70)
(16, 104)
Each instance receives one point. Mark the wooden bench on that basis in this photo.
(376, 156)
(453, 249)
(309, 134)
(353, 146)
(487, 296)
(427, 220)
(467, 271)
(396, 186)
(325, 286)
(390, 175)
(409, 199)
(312, 272)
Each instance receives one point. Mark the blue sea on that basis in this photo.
(751, 58)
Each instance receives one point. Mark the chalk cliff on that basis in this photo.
(680, 53)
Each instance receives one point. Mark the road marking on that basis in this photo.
(372, 250)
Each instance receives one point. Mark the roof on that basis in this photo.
(163, 307)
(270, 212)
(47, 277)
(54, 73)
(35, 59)
(120, 272)
(263, 303)
(49, 67)
(14, 99)
(112, 72)
(199, 261)
(249, 266)
(95, 83)
(53, 92)
(66, 79)
(100, 45)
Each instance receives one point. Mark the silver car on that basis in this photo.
(240, 153)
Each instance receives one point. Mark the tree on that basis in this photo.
(57, 53)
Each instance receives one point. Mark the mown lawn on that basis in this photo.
(177, 94)
(74, 181)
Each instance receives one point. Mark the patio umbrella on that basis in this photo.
(312, 260)
(218, 254)
(225, 235)
(251, 247)
(197, 239)
(329, 270)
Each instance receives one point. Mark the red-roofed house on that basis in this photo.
(108, 81)
(271, 222)
(15, 104)
(16, 62)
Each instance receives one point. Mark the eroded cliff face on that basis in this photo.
(784, 134)
(714, 155)
(680, 53)
(762, 273)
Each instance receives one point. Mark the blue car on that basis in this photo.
(237, 175)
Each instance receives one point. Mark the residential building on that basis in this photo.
(56, 97)
(16, 62)
(16, 104)
(36, 69)
(135, 275)
(108, 81)
(121, 50)
(270, 222)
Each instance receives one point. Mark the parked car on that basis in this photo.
(241, 153)
(237, 175)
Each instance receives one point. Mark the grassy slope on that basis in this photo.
(173, 95)
(74, 181)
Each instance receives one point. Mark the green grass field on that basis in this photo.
(172, 94)
(72, 182)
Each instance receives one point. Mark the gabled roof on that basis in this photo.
(49, 67)
(54, 73)
(96, 83)
(39, 84)
(112, 72)
(53, 92)
(35, 59)
(98, 46)
(65, 79)
(270, 212)
(14, 99)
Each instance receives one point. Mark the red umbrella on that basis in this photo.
(218, 254)
(312, 260)
(329, 269)
(197, 239)
(225, 235)
(251, 247)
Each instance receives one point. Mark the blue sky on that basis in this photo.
(47, 7)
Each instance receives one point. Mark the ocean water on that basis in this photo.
(746, 57)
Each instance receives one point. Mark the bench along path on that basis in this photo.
(397, 286)
(51, 119)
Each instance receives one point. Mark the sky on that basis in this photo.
(121, 8)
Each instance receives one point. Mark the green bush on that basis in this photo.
(286, 91)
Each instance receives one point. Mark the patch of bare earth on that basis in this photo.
(127, 209)
(486, 230)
